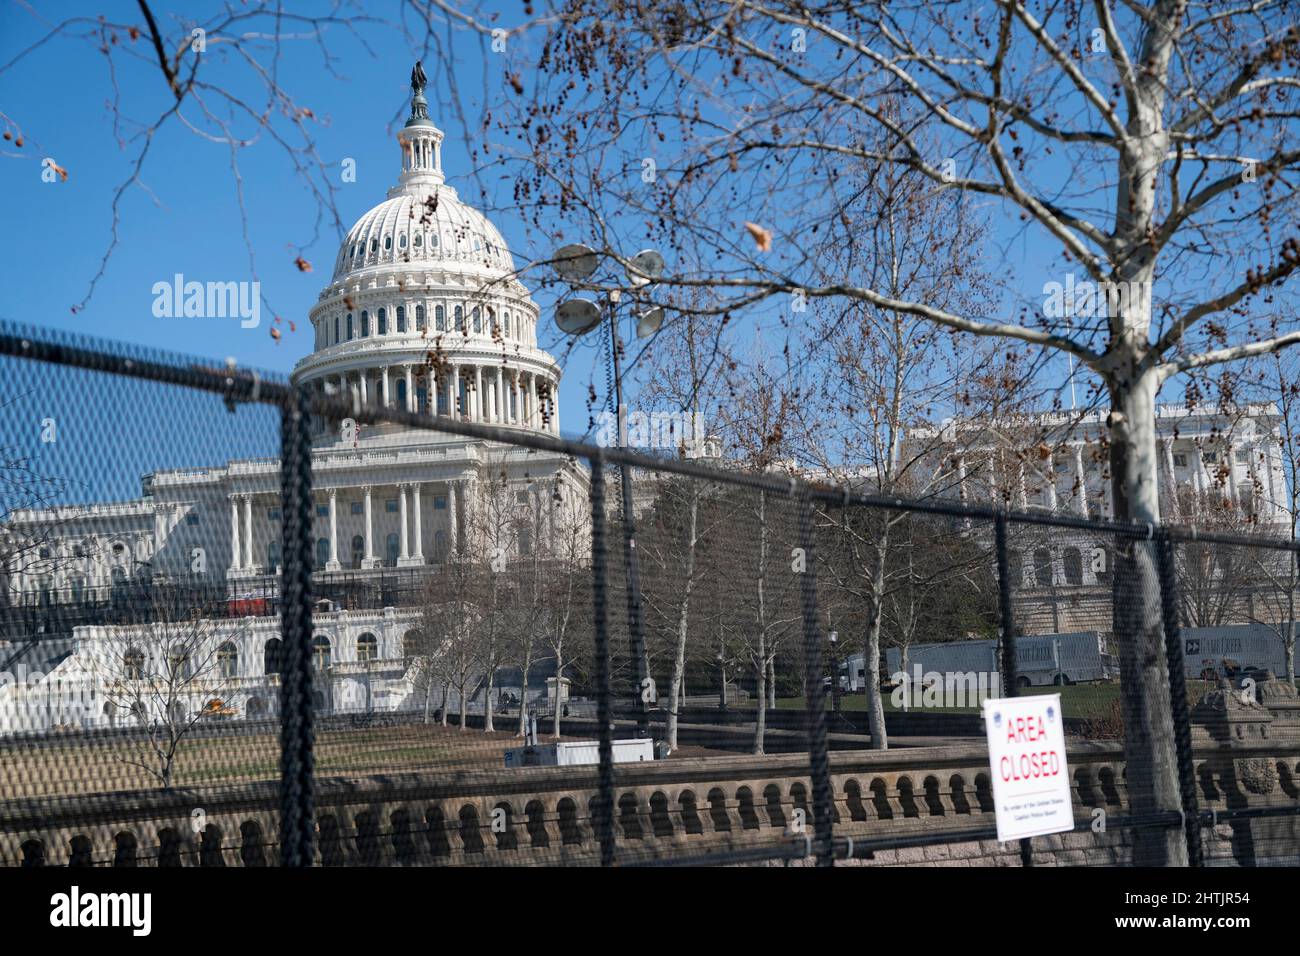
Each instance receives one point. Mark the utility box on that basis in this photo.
(574, 753)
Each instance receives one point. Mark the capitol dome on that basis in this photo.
(423, 310)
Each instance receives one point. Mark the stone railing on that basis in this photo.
(663, 810)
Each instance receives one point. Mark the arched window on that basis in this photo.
(374, 245)
(418, 240)
(349, 326)
(178, 662)
(1043, 567)
(505, 330)
(439, 319)
(460, 319)
(412, 643)
(419, 318)
(367, 648)
(133, 664)
(322, 552)
(320, 652)
(478, 320)
(336, 330)
(440, 544)
(392, 550)
(383, 321)
(401, 393)
(365, 323)
(228, 660)
(1016, 568)
(1073, 566)
(401, 318)
(271, 656)
(358, 550)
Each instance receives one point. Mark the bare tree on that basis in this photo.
(1152, 145)
(165, 677)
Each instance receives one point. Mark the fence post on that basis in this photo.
(818, 760)
(1009, 669)
(604, 813)
(297, 812)
(1178, 696)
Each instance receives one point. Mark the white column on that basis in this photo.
(388, 402)
(369, 560)
(1024, 493)
(452, 544)
(333, 563)
(418, 553)
(411, 404)
(453, 407)
(518, 412)
(1051, 482)
(533, 420)
(235, 562)
(1081, 478)
(248, 562)
(365, 397)
(405, 537)
(1173, 480)
(478, 393)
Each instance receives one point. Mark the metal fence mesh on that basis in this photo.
(246, 624)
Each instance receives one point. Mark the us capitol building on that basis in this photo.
(423, 312)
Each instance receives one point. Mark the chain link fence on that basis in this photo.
(246, 623)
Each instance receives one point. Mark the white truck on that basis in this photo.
(1041, 659)
(571, 753)
(1232, 649)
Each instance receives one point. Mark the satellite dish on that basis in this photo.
(648, 322)
(646, 266)
(574, 262)
(577, 316)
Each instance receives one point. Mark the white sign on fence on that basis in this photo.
(1031, 783)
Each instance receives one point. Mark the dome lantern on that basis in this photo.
(421, 143)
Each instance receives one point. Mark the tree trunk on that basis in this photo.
(428, 698)
(1152, 770)
(760, 659)
(675, 689)
(871, 649)
(771, 681)
(446, 692)
(488, 725)
(760, 719)
(463, 704)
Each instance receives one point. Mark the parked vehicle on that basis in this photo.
(1232, 651)
(1041, 659)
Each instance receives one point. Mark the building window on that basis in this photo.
(1043, 567)
(271, 660)
(365, 323)
(358, 550)
(439, 319)
(227, 661)
(320, 652)
(390, 505)
(391, 543)
(1073, 562)
(440, 544)
(322, 552)
(439, 502)
(418, 240)
(357, 507)
(401, 318)
(367, 648)
(349, 326)
(478, 320)
(190, 519)
(336, 330)
(388, 242)
(322, 511)
(419, 318)
(178, 662)
(460, 319)
(272, 514)
(1180, 460)
(272, 555)
(1243, 455)
(383, 321)
(133, 664)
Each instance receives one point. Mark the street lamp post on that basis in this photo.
(577, 316)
